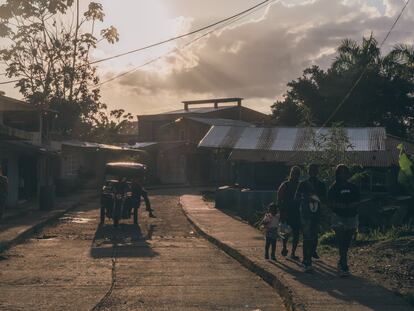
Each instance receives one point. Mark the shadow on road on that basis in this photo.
(324, 279)
(127, 240)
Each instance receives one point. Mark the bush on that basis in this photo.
(393, 233)
(327, 238)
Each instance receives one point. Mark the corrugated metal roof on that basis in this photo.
(219, 121)
(12, 104)
(91, 145)
(199, 110)
(290, 145)
(140, 145)
(288, 138)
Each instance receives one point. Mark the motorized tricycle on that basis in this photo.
(117, 199)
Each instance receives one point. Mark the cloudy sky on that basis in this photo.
(252, 58)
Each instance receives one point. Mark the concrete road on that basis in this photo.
(160, 265)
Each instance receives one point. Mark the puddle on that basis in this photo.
(76, 220)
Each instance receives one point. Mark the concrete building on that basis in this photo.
(24, 154)
(262, 156)
(177, 134)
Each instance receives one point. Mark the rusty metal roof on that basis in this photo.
(288, 138)
(369, 146)
(12, 104)
(218, 121)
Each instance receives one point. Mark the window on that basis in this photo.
(70, 165)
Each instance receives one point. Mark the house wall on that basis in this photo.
(21, 170)
(9, 162)
(149, 125)
(172, 167)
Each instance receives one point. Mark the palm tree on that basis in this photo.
(401, 61)
(352, 55)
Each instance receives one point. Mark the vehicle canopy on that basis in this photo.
(125, 169)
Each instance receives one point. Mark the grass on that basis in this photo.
(372, 236)
(390, 234)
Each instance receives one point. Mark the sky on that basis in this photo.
(253, 58)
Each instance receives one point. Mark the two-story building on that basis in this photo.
(177, 134)
(24, 156)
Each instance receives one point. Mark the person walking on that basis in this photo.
(138, 191)
(289, 210)
(3, 192)
(271, 223)
(343, 197)
(310, 193)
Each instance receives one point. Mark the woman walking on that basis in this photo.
(289, 209)
(343, 197)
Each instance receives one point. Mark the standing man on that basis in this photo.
(310, 194)
(343, 198)
(138, 191)
(289, 209)
(3, 192)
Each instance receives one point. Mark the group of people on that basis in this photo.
(298, 208)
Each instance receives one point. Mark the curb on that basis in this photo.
(290, 299)
(23, 236)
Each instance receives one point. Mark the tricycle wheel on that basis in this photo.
(135, 215)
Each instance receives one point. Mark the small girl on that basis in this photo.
(271, 222)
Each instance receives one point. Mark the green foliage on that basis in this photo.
(405, 175)
(390, 234)
(382, 97)
(50, 56)
(372, 236)
(330, 149)
(108, 127)
(327, 238)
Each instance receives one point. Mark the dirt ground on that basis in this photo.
(162, 264)
(388, 263)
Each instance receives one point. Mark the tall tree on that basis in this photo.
(384, 95)
(49, 53)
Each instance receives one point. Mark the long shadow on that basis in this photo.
(354, 289)
(126, 240)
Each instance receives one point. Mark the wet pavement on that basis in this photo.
(162, 264)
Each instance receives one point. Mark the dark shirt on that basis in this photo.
(138, 192)
(344, 194)
(3, 187)
(307, 189)
(288, 205)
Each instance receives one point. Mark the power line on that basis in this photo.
(365, 69)
(7, 82)
(235, 16)
(187, 44)
(183, 35)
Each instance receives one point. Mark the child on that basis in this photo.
(271, 222)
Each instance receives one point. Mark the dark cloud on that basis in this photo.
(256, 59)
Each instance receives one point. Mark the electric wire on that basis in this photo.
(185, 45)
(365, 69)
(183, 35)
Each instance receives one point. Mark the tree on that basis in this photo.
(110, 127)
(329, 148)
(384, 95)
(50, 57)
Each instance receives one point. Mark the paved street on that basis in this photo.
(160, 265)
